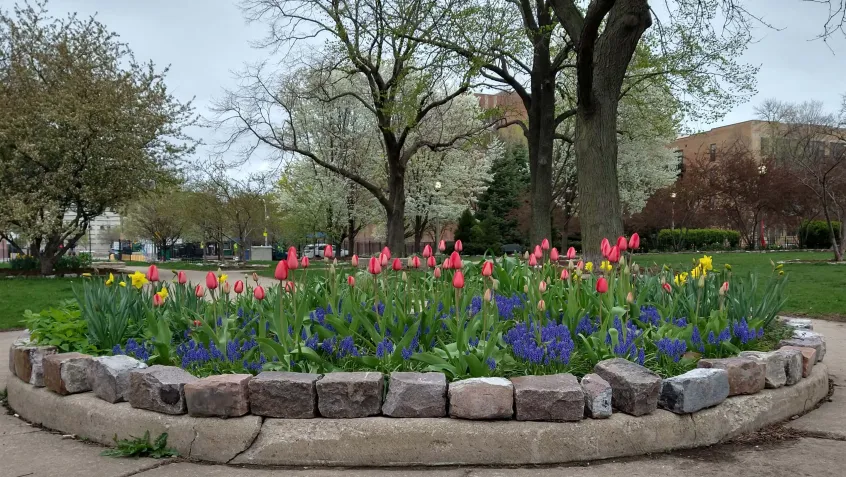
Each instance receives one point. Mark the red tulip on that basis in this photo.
(564, 274)
(354, 260)
(327, 251)
(157, 300)
(455, 261)
(427, 251)
(667, 287)
(415, 261)
(602, 285)
(181, 278)
(458, 279)
(614, 254)
(239, 287)
(258, 293)
(351, 281)
(533, 261)
(553, 254)
(545, 244)
(396, 265)
(542, 286)
(604, 246)
(305, 262)
(487, 268)
(634, 241)
(211, 281)
(281, 272)
(430, 262)
(538, 252)
(374, 266)
(383, 259)
(622, 243)
(153, 273)
(292, 258)
(447, 264)
(197, 322)
(458, 246)
(387, 252)
(442, 246)
(289, 287)
(198, 291)
(571, 253)
(437, 272)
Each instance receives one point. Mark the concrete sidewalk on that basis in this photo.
(27, 451)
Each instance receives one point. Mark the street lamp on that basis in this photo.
(673, 219)
(437, 217)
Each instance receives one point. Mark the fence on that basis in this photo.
(368, 248)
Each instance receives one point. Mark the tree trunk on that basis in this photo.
(596, 163)
(540, 137)
(47, 264)
(395, 227)
(351, 233)
(419, 229)
(835, 245)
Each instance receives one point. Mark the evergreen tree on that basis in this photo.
(464, 231)
(509, 180)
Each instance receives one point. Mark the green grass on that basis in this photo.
(5, 265)
(36, 294)
(814, 289)
(177, 265)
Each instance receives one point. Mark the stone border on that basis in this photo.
(382, 441)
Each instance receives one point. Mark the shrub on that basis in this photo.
(698, 239)
(815, 234)
(24, 262)
(73, 262)
(61, 326)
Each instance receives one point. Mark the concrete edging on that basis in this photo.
(382, 441)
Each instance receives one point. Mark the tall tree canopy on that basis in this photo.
(84, 128)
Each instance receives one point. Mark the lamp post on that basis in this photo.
(264, 201)
(437, 216)
(673, 212)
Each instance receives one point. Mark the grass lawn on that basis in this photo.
(177, 265)
(36, 294)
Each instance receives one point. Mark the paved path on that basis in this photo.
(27, 451)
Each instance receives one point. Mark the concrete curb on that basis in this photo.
(381, 441)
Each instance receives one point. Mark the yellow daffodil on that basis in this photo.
(706, 263)
(162, 293)
(589, 266)
(110, 281)
(138, 280)
(605, 266)
(697, 272)
(222, 278)
(123, 284)
(680, 279)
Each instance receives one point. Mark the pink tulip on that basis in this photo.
(571, 253)
(258, 293)
(667, 287)
(533, 261)
(290, 287)
(634, 241)
(226, 288)
(437, 272)
(281, 272)
(565, 274)
(487, 268)
(604, 246)
(198, 291)
(542, 286)
(447, 264)
(211, 281)
(458, 246)
(427, 251)
(553, 254)
(622, 243)
(541, 305)
(458, 279)
(387, 252)
(354, 260)
(374, 266)
(442, 246)
(305, 262)
(351, 281)
(580, 265)
(158, 300)
(239, 287)
(545, 244)
(415, 262)
(383, 259)
(602, 285)
(153, 273)
(430, 262)
(614, 254)
(181, 278)
(725, 288)
(327, 251)
(292, 259)
(538, 252)
(396, 265)
(455, 261)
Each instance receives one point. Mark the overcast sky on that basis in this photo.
(203, 41)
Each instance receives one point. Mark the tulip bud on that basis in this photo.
(580, 265)
(437, 272)
(571, 253)
(258, 293)
(526, 255)
(630, 298)
(396, 265)
(292, 258)
(634, 241)
(281, 272)
(158, 300)
(545, 244)
(541, 305)
(458, 246)
(447, 264)
(211, 281)
(404, 276)
(442, 246)
(383, 259)
(565, 274)
(199, 292)
(667, 288)
(181, 278)
(455, 261)
(153, 273)
(488, 295)
(290, 287)
(538, 252)
(374, 266)
(724, 289)
(458, 279)
(701, 282)
(602, 285)
(335, 261)
(415, 262)
(636, 269)
(525, 288)
(305, 262)
(533, 261)
(542, 286)
(328, 252)
(495, 284)
(239, 287)
(226, 288)
(255, 277)
(387, 252)
(354, 260)
(197, 322)
(728, 267)
(487, 268)
(604, 246)
(351, 281)
(427, 251)
(622, 243)
(553, 254)
(430, 262)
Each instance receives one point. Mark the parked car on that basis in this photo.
(316, 251)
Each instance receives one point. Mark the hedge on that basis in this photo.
(815, 234)
(698, 239)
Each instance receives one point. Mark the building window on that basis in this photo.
(713, 152)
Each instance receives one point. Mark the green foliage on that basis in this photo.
(75, 262)
(698, 239)
(111, 312)
(816, 234)
(24, 262)
(485, 237)
(61, 326)
(141, 447)
(510, 178)
(464, 231)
